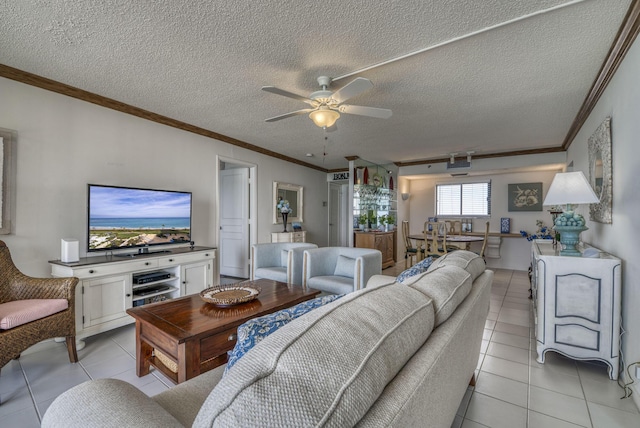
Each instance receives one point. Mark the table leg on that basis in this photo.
(143, 353)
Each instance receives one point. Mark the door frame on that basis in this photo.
(342, 211)
(253, 203)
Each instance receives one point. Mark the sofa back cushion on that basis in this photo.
(448, 286)
(326, 368)
(471, 262)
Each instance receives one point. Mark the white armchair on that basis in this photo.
(280, 261)
(340, 270)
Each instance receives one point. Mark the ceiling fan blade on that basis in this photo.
(351, 89)
(288, 94)
(380, 113)
(286, 115)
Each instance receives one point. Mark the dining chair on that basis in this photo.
(435, 243)
(409, 250)
(486, 238)
(454, 227)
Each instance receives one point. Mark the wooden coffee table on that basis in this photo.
(194, 335)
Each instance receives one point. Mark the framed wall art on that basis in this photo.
(600, 173)
(525, 197)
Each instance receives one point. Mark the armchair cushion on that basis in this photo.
(275, 273)
(331, 284)
(345, 266)
(18, 312)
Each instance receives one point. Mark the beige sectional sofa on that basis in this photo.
(391, 354)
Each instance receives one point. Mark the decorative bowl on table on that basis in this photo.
(230, 295)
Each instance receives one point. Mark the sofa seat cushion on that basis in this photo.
(275, 273)
(18, 312)
(331, 284)
(306, 374)
(471, 262)
(448, 286)
(255, 330)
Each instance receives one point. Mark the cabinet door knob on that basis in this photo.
(92, 271)
(147, 263)
(170, 260)
(128, 295)
(232, 337)
(206, 255)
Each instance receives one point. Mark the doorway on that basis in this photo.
(338, 194)
(236, 216)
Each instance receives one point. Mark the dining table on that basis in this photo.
(454, 239)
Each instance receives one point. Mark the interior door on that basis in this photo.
(234, 222)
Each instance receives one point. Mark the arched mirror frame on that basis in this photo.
(600, 172)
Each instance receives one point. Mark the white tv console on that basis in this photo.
(109, 285)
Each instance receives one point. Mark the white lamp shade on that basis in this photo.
(570, 188)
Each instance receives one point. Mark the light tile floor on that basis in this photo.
(512, 389)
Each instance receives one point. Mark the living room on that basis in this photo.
(62, 142)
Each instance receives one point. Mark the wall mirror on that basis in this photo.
(7, 180)
(291, 193)
(600, 172)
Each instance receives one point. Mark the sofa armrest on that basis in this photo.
(106, 403)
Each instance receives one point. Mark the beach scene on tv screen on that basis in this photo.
(120, 218)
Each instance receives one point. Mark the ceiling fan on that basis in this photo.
(326, 106)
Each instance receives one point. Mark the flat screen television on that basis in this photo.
(126, 217)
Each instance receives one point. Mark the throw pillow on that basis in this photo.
(345, 266)
(416, 269)
(253, 331)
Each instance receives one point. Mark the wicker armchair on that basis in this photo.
(15, 286)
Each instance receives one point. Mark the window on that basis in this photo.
(464, 199)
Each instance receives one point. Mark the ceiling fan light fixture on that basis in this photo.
(324, 117)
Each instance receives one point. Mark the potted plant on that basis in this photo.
(362, 221)
(391, 222)
(383, 219)
(371, 218)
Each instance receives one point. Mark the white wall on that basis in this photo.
(515, 252)
(63, 143)
(621, 101)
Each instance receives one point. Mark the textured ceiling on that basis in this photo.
(502, 75)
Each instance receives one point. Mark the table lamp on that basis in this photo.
(569, 189)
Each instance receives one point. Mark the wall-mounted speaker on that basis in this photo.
(69, 250)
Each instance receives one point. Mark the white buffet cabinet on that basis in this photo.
(109, 285)
(577, 305)
(298, 236)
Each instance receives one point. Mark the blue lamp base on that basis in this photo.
(569, 238)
